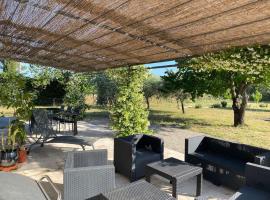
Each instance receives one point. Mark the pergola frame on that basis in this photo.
(85, 35)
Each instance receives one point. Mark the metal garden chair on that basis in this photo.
(43, 127)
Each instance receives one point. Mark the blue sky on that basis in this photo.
(158, 72)
(161, 71)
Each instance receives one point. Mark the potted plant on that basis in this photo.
(9, 153)
(18, 129)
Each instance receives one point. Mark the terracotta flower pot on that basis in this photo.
(22, 156)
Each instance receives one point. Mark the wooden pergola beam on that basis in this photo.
(92, 35)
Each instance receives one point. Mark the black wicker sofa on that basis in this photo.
(223, 162)
(257, 183)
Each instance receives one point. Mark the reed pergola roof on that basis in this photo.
(85, 35)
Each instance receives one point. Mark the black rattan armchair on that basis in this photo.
(133, 153)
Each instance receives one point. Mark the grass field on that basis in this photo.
(216, 122)
(211, 121)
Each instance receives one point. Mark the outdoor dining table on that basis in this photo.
(16, 186)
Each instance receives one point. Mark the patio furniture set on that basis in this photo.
(68, 118)
(140, 156)
(89, 175)
(43, 125)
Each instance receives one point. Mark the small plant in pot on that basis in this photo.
(9, 155)
(18, 129)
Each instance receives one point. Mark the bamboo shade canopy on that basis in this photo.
(85, 35)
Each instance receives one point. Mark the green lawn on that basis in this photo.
(216, 122)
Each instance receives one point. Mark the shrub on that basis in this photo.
(257, 96)
(224, 104)
(216, 105)
(263, 105)
(128, 113)
(197, 106)
(186, 126)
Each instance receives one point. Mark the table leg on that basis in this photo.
(148, 176)
(174, 188)
(199, 185)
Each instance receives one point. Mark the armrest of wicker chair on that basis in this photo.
(192, 143)
(124, 152)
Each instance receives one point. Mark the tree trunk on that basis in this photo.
(239, 115)
(183, 108)
(148, 103)
(182, 105)
(239, 107)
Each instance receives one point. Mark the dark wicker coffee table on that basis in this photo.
(176, 171)
(139, 190)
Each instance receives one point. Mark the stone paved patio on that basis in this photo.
(49, 160)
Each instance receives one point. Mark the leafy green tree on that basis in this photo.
(14, 93)
(106, 88)
(129, 114)
(52, 94)
(257, 96)
(265, 92)
(75, 85)
(43, 76)
(230, 71)
(77, 88)
(151, 87)
(173, 87)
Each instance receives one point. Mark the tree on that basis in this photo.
(77, 87)
(52, 94)
(230, 71)
(14, 92)
(151, 87)
(105, 88)
(129, 114)
(173, 86)
(43, 76)
(265, 91)
(257, 96)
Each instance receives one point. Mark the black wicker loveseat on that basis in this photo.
(257, 183)
(223, 162)
(133, 153)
